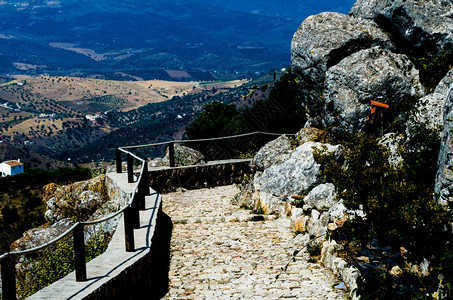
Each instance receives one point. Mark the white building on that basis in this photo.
(11, 168)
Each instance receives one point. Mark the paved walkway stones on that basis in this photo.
(218, 253)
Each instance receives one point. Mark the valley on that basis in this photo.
(79, 120)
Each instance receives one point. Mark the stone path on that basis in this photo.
(218, 253)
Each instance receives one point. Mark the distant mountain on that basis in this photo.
(84, 37)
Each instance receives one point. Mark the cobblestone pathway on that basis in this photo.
(217, 253)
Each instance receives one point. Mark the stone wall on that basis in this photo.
(199, 176)
(146, 278)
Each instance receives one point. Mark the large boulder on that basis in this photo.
(185, 156)
(325, 39)
(296, 176)
(77, 201)
(274, 152)
(425, 26)
(444, 177)
(371, 74)
(322, 197)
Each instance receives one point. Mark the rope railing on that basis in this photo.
(171, 145)
(207, 139)
(131, 215)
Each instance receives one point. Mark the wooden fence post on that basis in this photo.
(141, 194)
(79, 253)
(9, 278)
(146, 179)
(130, 168)
(135, 212)
(128, 231)
(119, 164)
(171, 152)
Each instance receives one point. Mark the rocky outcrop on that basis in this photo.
(87, 200)
(274, 152)
(444, 177)
(429, 112)
(372, 74)
(184, 156)
(41, 235)
(297, 175)
(77, 201)
(425, 26)
(325, 39)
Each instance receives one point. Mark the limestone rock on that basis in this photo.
(185, 156)
(318, 225)
(391, 141)
(371, 74)
(338, 210)
(41, 235)
(274, 152)
(311, 134)
(325, 39)
(364, 9)
(421, 25)
(429, 112)
(159, 162)
(322, 197)
(444, 177)
(445, 84)
(78, 200)
(299, 173)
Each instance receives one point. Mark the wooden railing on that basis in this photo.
(131, 215)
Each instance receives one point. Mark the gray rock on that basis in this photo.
(322, 197)
(43, 234)
(299, 173)
(364, 9)
(274, 152)
(444, 177)
(337, 210)
(423, 25)
(159, 162)
(325, 39)
(318, 224)
(429, 112)
(371, 74)
(311, 134)
(444, 85)
(391, 141)
(78, 200)
(185, 156)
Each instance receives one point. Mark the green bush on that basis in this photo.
(399, 205)
(433, 68)
(54, 263)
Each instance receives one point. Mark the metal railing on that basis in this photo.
(131, 213)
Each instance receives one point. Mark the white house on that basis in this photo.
(11, 168)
